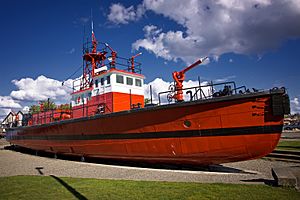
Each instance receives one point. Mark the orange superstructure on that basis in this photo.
(103, 88)
(206, 124)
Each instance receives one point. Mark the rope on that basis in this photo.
(70, 76)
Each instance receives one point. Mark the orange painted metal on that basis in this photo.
(113, 102)
(123, 101)
(240, 113)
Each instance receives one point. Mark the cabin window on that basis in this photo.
(138, 82)
(108, 80)
(76, 99)
(96, 83)
(102, 81)
(129, 81)
(120, 79)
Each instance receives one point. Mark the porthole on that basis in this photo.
(187, 123)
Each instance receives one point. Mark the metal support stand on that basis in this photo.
(82, 159)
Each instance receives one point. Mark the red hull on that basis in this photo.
(220, 130)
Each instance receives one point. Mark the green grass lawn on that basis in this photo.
(289, 145)
(50, 187)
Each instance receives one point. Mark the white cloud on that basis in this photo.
(295, 105)
(8, 102)
(121, 15)
(296, 101)
(213, 28)
(42, 88)
(25, 109)
(6, 106)
(158, 85)
(33, 90)
(4, 112)
(154, 42)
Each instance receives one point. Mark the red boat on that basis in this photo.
(196, 125)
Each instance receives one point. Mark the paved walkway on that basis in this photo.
(290, 135)
(14, 163)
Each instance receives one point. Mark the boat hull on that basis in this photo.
(214, 131)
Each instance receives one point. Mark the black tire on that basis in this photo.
(170, 98)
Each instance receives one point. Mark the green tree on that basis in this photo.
(65, 106)
(147, 101)
(48, 105)
(34, 109)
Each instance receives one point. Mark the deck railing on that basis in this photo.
(206, 91)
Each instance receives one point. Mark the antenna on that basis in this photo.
(83, 40)
(94, 40)
(92, 23)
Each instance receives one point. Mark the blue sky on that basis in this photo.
(255, 43)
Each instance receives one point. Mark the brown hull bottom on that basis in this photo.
(192, 150)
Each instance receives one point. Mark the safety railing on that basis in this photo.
(121, 62)
(209, 90)
(84, 109)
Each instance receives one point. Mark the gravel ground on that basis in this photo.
(290, 135)
(14, 163)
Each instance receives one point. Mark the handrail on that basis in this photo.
(199, 89)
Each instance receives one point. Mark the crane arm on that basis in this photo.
(132, 57)
(132, 61)
(179, 78)
(111, 49)
(198, 62)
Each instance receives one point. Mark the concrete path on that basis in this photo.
(290, 135)
(14, 163)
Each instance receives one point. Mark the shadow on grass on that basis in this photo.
(69, 188)
(39, 169)
(288, 147)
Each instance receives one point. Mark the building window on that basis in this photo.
(120, 79)
(129, 81)
(102, 81)
(108, 80)
(96, 83)
(138, 82)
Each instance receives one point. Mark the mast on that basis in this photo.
(92, 59)
(94, 40)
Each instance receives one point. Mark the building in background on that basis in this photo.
(12, 120)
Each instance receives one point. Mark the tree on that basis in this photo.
(65, 106)
(34, 109)
(147, 101)
(48, 105)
